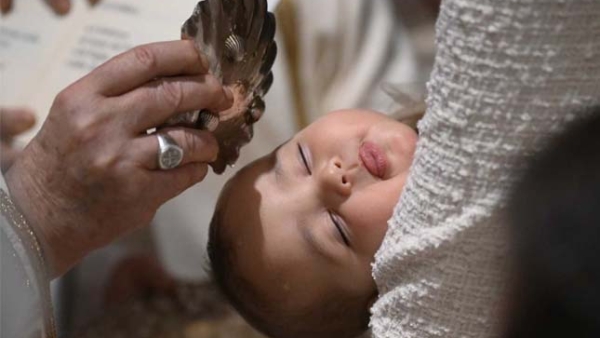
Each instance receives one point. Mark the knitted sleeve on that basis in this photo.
(508, 73)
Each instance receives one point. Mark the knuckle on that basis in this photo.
(172, 93)
(191, 142)
(64, 101)
(144, 56)
(102, 165)
(82, 129)
(68, 109)
(87, 128)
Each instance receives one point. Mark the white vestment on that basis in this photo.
(25, 309)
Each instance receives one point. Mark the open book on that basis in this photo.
(41, 53)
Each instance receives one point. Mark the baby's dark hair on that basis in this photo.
(337, 316)
(554, 214)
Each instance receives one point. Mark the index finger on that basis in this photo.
(144, 63)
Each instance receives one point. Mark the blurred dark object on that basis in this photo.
(555, 218)
(415, 12)
(137, 276)
(193, 311)
(418, 17)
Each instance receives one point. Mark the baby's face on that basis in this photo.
(308, 218)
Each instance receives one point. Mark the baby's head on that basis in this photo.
(295, 232)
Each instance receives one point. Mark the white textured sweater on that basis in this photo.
(508, 74)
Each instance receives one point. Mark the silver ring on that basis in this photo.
(170, 154)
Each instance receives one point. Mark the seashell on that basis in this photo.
(224, 31)
(184, 119)
(208, 120)
(234, 48)
(248, 131)
(234, 156)
(257, 108)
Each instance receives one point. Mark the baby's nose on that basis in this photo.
(334, 178)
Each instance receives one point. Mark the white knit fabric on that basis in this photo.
(507, 75)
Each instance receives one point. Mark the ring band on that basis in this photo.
(170, 154)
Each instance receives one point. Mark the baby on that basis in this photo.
(295, 232)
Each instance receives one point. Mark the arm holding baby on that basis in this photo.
(506, 77)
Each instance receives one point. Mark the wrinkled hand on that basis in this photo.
(91, 173)
(59, 6)
(13, 121)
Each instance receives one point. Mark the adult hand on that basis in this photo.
(91, 173)
(13, 121)
(59, 6)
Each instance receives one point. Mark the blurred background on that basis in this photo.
(333, 54)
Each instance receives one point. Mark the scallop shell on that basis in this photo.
(208, 120)
(237, 37)
(234, 48)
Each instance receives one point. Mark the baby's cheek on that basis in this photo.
(369, 225)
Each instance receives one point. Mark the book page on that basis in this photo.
(29, 37)
(43, 53)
